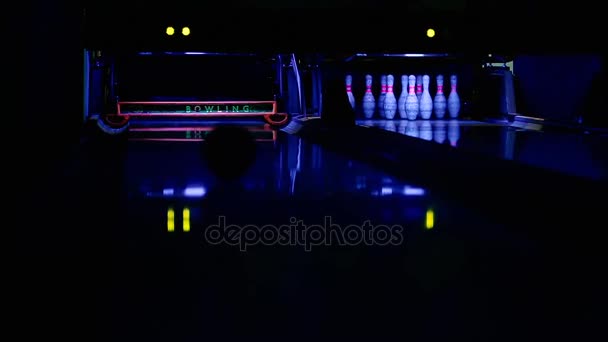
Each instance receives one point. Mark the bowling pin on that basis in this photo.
(402, 97)
(390, 101)
(439, 103)
(453, 99)
(439, 132)
(419, 87)
(426, 101)
(349, 90)
(411, 101)
(426, 130)
(382, 96)
(369, 103)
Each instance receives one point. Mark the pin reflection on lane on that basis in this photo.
(426, 131)
(429, 130)
(565, 152)
(439, 132)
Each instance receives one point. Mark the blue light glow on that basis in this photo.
(195, 191)
(409, 191)
(386, 191)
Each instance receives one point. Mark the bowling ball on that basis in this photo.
(336, 107)
(229, 151)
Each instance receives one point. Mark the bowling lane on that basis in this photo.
(161, 276)
(571, 153)
(290, 178)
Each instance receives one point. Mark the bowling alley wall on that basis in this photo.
(466, 72)
(570, 88)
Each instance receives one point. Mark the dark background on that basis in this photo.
(196, 77)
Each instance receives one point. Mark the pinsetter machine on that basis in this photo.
(163, 76)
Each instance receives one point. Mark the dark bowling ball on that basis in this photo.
(229, 151)
(336, 107)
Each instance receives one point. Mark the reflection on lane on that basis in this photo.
(363, 186)
(193, 133)
(571, 153)
(316, 181)
(290, 168)
(289, 177)
(430, 130)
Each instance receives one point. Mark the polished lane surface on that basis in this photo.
(567, 152)
(157, 274)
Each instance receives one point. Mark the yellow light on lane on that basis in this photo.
(430, 219)
(186, 219)
(186, 31)
(430, 33)
(170, 220)
(170, 31)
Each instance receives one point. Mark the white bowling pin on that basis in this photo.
(390, 101)
(426, 101)
(439, 103)
(369, 102)
(453, 132)
(412, 128)
(439, 132)
(411, 101)
(382, 96)
(419, 87)
(349, 90)
(402, 97)
(453, 99)
(426, 130)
